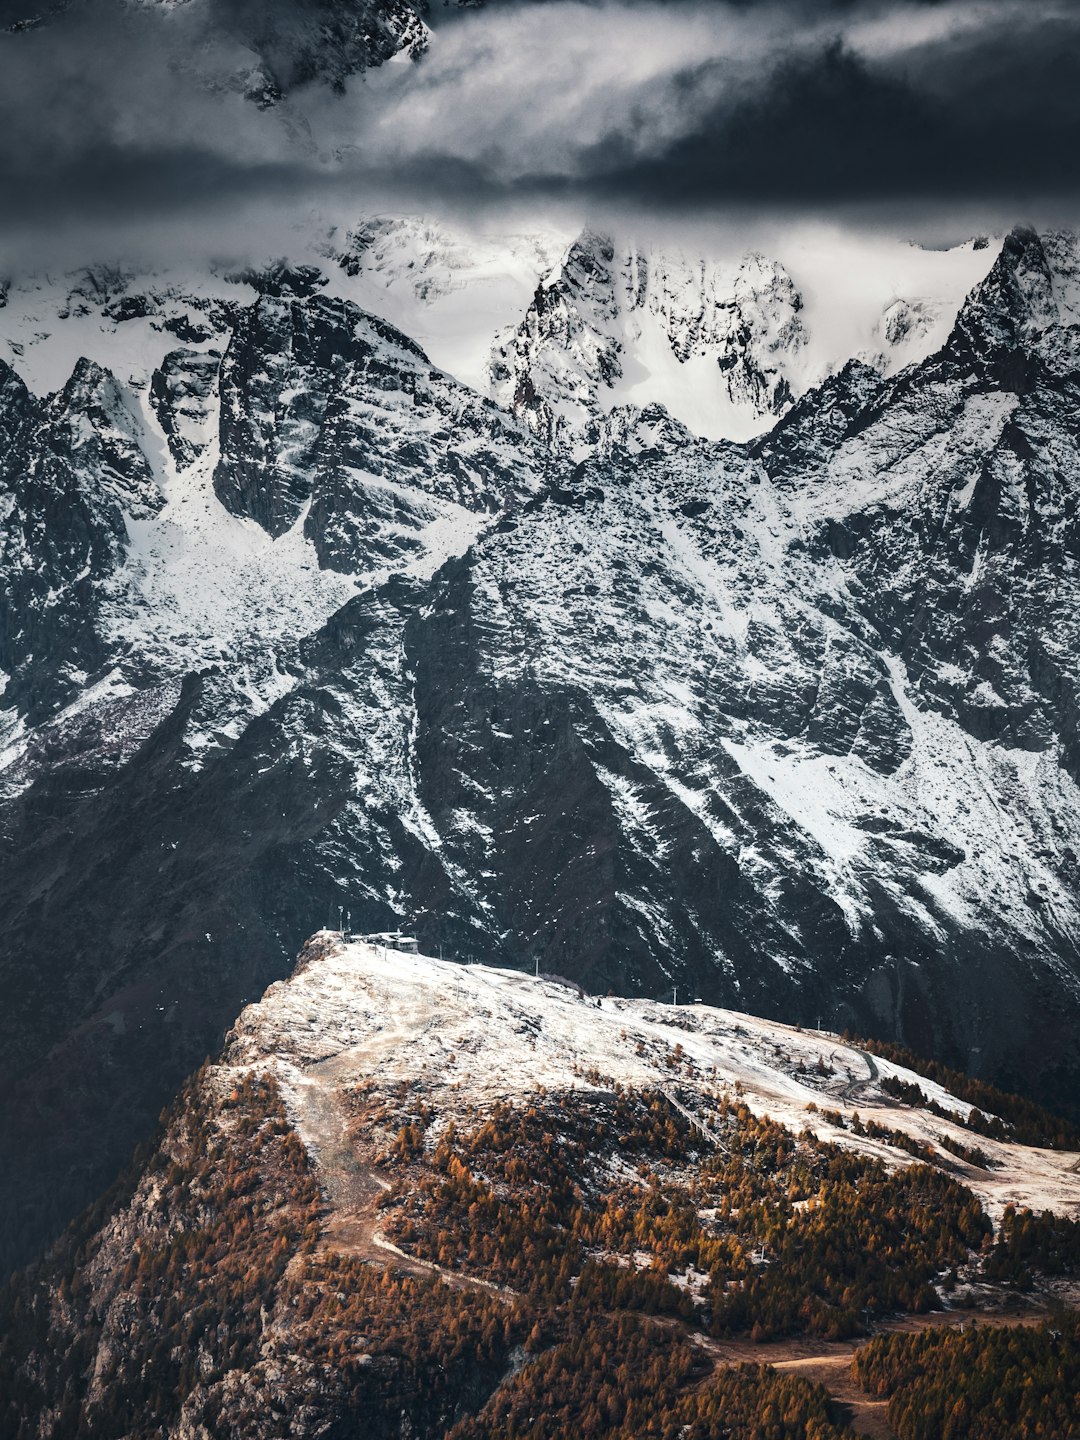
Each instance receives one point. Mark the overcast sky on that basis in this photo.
(920, 115)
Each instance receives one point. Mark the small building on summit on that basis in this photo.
(391, 940)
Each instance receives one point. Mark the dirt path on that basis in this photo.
(351, 1226)
(855, 1087)
(354, 1189)
(828, 1362)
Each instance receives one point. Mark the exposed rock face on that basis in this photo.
(792, 724)
(71, 469)
(182, 391)
(761, 330)
(300, 41)
(966, 525)
(330, 413)
(732, 332)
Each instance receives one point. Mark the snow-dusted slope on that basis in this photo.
(295, 620)
(564, 329)
(584, 325)
(465, 1037)
(452, 290)
(232, 502)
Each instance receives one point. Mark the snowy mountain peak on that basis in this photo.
(791, 723)
(1028, 300)
(104, 437)
(626, 430)
(714, 343)
(764, 336)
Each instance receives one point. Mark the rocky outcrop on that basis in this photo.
(300, 42)
(183, 390)
(965, 469)
(329, 413)
(72, 469)
(608, 313)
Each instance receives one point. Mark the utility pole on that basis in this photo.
(675, 995)
(536, 966)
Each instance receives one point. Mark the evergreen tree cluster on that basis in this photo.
(624, 1380)
(804, 1236)
(202, 1295)
(997, 1114)
(1028, 1244)
(983, 1384)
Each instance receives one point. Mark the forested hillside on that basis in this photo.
(358, 1218)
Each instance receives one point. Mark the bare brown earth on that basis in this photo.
(353, 1190)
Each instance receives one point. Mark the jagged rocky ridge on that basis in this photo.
(732, 332)
(332, 415)
(789, 724)
(591, 331)
(73, 472)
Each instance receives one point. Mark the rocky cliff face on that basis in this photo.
(964, 522)
(332, 414)
(791, 724)
(73, 469)
(607, 316)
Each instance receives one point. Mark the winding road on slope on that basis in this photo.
(354, 1190)
(855, 1087)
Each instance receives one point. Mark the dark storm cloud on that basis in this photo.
(114, 113)
(106, 180)
(993, 120)
(98, 114)
(828, 105)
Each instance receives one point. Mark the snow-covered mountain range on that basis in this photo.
(404, 581)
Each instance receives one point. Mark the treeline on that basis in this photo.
(625, 1380)
(986, 1384)
(208, 1306)
(900, 1140)
(1025, 1121)
(403, 1355)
